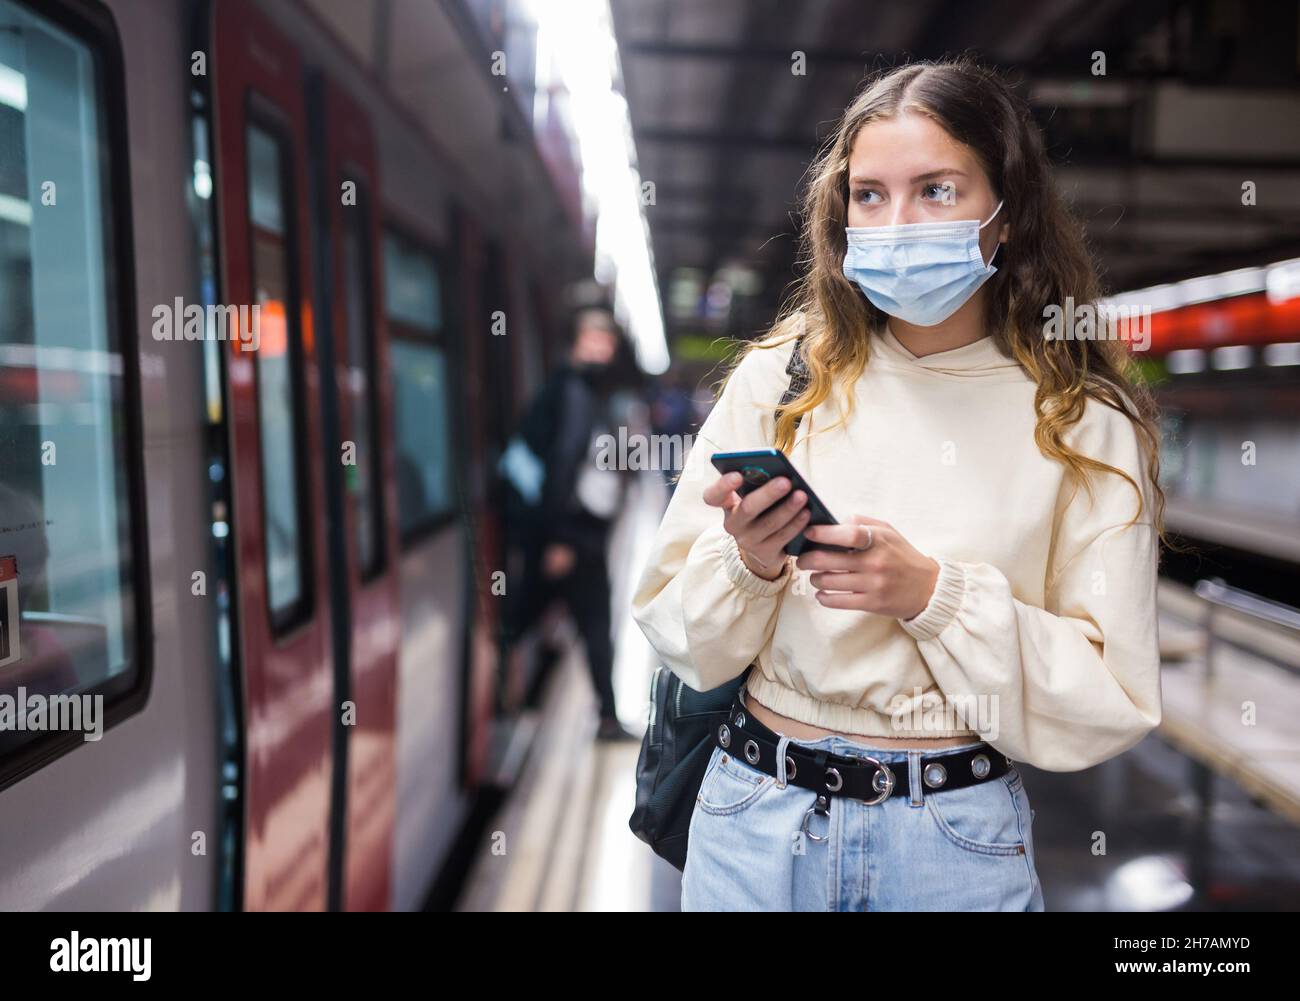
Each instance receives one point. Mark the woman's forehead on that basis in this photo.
(906, 146)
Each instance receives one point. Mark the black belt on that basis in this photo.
(862, 778)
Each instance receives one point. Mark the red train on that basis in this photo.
(267, 549)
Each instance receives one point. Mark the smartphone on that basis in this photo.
(761, 465)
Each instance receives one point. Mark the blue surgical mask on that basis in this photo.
(920, 272)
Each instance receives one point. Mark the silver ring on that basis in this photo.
(804, 826)
(871, 539)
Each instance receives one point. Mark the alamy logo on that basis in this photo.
(39, 713)
(102, 955)
(1096, 322)
(639, 451)
(177, 321)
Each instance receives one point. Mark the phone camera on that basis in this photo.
(755, 476)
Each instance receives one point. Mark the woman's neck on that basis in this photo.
(964, 327)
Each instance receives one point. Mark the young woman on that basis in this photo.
(996, 483)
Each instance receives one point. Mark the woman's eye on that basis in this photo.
(941, 192)
(864, 195)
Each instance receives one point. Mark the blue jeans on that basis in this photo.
(968, 849)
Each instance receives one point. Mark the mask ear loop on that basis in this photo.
(992, 217)
(998, 249)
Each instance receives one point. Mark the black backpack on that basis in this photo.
(677, 745)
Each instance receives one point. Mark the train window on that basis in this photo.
(421, 394)
(363, 477)
(67, 570)
(278, 392)
(412, 292)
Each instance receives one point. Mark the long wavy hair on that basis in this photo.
(1045, 261)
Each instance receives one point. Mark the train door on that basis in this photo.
(277, 480)
(367, 611)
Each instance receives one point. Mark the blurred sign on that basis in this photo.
(694, 347)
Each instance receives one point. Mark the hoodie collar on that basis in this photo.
(978, 359)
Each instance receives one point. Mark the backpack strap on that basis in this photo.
(797, 370)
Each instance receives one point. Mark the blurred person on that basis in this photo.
(568, 494)
(1000, 515)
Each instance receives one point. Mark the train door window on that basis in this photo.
(278, 371)
(67, 524)
(363, 476)
(421, 390)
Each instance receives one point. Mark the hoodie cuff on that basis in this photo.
(745, 578)
(949, 590)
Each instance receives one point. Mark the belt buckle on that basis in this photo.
(889, 781)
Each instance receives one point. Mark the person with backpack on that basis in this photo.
(989, 591)
(562, 500)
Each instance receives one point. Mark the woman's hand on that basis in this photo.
(886, 576)
(760, 534)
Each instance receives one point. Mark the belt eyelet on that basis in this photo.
(751, 752)
(885, 785)
(935, 775)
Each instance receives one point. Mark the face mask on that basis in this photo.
(920, 272)
(599, 376)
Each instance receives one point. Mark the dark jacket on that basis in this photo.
(558, 428)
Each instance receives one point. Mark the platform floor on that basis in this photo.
(561, 841)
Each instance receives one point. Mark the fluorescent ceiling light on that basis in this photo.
(1281, 281)
(577, 37)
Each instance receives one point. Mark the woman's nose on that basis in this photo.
(904, 213)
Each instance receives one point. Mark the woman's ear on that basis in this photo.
(1004, 233)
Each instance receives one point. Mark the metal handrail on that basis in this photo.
(1217, 594)
(1215, 591)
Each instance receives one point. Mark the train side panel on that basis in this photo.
(119, 824)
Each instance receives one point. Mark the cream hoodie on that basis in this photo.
(1040, 636)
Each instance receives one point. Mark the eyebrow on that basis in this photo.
(930, 175)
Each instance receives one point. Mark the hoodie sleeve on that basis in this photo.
(704, 612)
(1069, 685)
